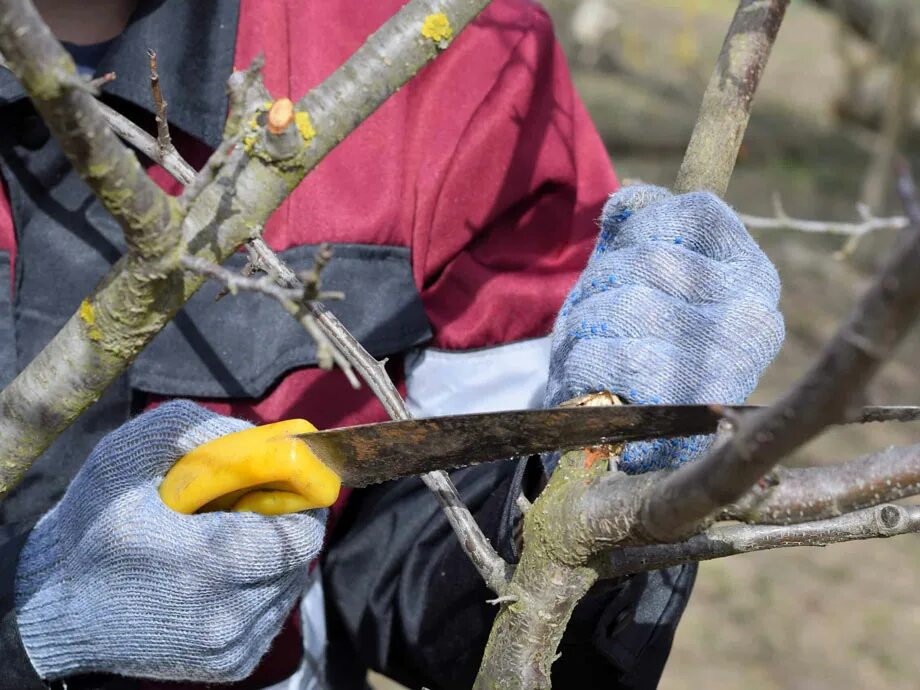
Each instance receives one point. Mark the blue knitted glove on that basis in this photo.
(678, 304)
(111, 580)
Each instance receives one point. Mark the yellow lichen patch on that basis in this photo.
(304, 125)
(437, 28)
(88, 314)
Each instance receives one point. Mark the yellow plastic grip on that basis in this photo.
(262, 470)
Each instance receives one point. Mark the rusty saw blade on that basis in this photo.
(373, 453)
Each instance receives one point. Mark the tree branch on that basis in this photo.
(326, 330)
(47, 72)
(728, 540)
(716, 139)
(559, 534)
(787, 495)
(133, 303)
(828, 393)
(783, 221)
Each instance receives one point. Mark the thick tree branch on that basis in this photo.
(828, 393)
(710, 157)
(47, 72)
(249, 183)
(559, 534)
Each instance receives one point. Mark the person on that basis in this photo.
(460, 214)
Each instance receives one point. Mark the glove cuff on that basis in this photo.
(54, 641)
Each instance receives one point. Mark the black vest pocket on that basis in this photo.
(242, 344)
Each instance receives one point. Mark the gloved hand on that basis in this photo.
(678, 304)
(111, 580)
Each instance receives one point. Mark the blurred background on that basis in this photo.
(840, 96)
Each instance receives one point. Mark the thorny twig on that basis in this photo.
(493, 569)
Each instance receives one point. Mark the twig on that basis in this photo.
(164, 142)
(172, 162)
(826, 394)
(236, 282)
(783, 221)
(493, 569)
(716, 139)
(292, 299)
(719, 541)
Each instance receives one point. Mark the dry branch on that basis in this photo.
(781, 220)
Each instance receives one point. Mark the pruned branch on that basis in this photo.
(560, 535)
(826, 394)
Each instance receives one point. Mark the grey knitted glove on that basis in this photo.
(111, 580)
(678, 304)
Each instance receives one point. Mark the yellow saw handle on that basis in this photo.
(264, 469)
